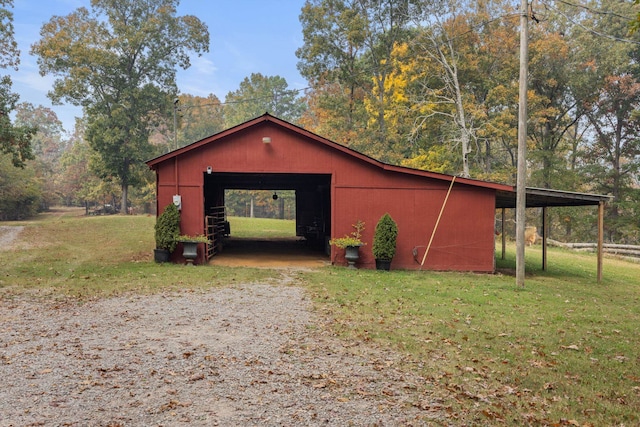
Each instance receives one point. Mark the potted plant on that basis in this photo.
(167, 230)
(190, 246)
(351, 243)
(384, 242)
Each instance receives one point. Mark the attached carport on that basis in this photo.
(546, 198)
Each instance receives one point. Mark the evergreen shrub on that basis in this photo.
(168, 228)
(384, 238)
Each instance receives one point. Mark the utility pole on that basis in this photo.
(175, 122)
(521, 184)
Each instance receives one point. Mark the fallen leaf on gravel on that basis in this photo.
(196, 377)
(173, 404)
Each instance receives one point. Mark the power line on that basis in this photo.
(592, 30)
(243, 101)
(595, 11)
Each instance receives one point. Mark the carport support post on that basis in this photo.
(600, 238)
(545, 225)
(504, 240)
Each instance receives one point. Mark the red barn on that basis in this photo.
(335, 187)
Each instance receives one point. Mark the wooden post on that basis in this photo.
(545, 226)
(504, 239)
(600, 238)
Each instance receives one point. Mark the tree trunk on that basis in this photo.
(125, 196)
(462, 123)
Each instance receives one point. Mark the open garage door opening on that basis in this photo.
(260, 219)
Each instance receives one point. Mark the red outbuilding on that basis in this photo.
(335, 187)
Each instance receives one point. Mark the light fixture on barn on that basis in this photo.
(275, 196)
(266, 140)
(209, 170)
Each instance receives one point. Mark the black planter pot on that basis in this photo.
(161, 255)
(383, 264)
(352, 254)
(190, 251)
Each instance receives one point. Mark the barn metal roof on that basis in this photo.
(505, 194)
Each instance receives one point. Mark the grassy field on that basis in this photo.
(66, 253)
(562, 351)
(261, 227)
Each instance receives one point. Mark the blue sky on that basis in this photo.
(246, 36)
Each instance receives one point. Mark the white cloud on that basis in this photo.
(202, 65)
(32, 81)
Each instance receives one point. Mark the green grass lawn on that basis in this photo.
(564, 350)
(67, 254)
(261, 227)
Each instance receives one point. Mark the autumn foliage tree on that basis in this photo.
(615, 150)
(118, 61)
(259, 94)
(14, 140)
(346, 56)
(198, 117)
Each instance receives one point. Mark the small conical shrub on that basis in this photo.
(168, 228)
(384, 238)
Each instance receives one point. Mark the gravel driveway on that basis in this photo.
(242, 356)
(8, 234)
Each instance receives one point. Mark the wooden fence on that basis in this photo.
(631, 252)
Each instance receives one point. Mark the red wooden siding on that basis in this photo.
(465, 236)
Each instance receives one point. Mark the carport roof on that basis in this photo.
(542, 197)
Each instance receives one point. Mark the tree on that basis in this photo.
(77, 182)
(20, 191)
(337, 112)
(259, 94)
(554, 107)
(119, 63)
(615, 153)
(14, 140)
(450, 46)
(333, 43)
(47, 144)
(199, 118)
(348, 46)
(634, 25)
